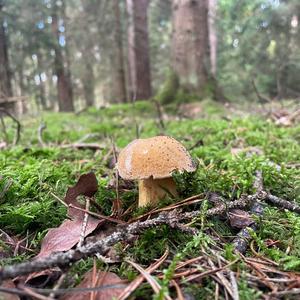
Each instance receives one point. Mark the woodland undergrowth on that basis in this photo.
(34, 175)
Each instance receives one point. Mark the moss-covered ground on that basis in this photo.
(31, 174)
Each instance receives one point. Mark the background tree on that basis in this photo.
(256, 40)
(212, 35)
(190, 44)
(61, 65)
(119, 65)
(5, 78)
(138, 49)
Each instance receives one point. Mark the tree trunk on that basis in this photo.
(190, 44)
(138, 49)
(5, 78)
(119, 81)
(42, 84)
(89, 84)
(88, 75)
(64, 88)
(213, 38)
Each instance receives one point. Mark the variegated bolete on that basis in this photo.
(152, 161)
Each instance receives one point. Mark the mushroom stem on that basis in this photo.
(151, 190)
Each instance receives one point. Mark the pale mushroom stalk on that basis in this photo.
(151, 190)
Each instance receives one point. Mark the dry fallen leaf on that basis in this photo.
(239, 218)
(87, 185)
(103, 279)
(68, 233)
(66, 236)
(39, 279)
(10, 285)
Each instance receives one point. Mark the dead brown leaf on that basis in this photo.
(10, 285)
(42, 278)
(86, 185)
(67, 235)
(239, 218)
(102, 279)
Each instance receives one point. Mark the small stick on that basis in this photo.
(160, 115)
(41, 129)
(234, 286)
(283, 203)
(116, 170)
(18, 130)
(241, 242)
(92, 146)
(123, 233)
(58, 285)
(99, 216)
(33, 294)
(58, 199)
(84, 222)
(137, 281)
(4, 130)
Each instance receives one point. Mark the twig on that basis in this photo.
(58, 199)
(197, 144)
(88, 136)
(18, 130)
(33, 294)
(283, 203)
(261, 98)
(41, 129)
(135, 283)
(159, 114)
(286, 292)
(222, 278)
(4, 99)
(153, 283)
(116, 170)
(61, 291)
(124, 233)
(243, 202)
(4, 130)
(92, 146)
(241, 242)
(57, 285)
(84, 222)
(99, 216)
(234, 286)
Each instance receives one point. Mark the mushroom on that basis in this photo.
(152, 161)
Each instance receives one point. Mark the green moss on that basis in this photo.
(29, 173)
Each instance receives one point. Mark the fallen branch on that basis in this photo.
(283, 203)
(41, 129)
(261, 98)
(241, 242)
(159, 114)
(124, 234)
(91, 146)
(18, 130)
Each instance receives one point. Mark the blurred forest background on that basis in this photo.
(72, 54)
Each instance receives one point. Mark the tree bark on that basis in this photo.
(64, 87)
(89, 84)
(88, 75)
(190, 43)
(213, 38)
(138, 49)
(120, 80)
(5, 76)
(41, 85)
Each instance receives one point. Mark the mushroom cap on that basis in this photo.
(155, 157)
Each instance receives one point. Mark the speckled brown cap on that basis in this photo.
(155, 157)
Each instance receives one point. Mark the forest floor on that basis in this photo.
(240, 152)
